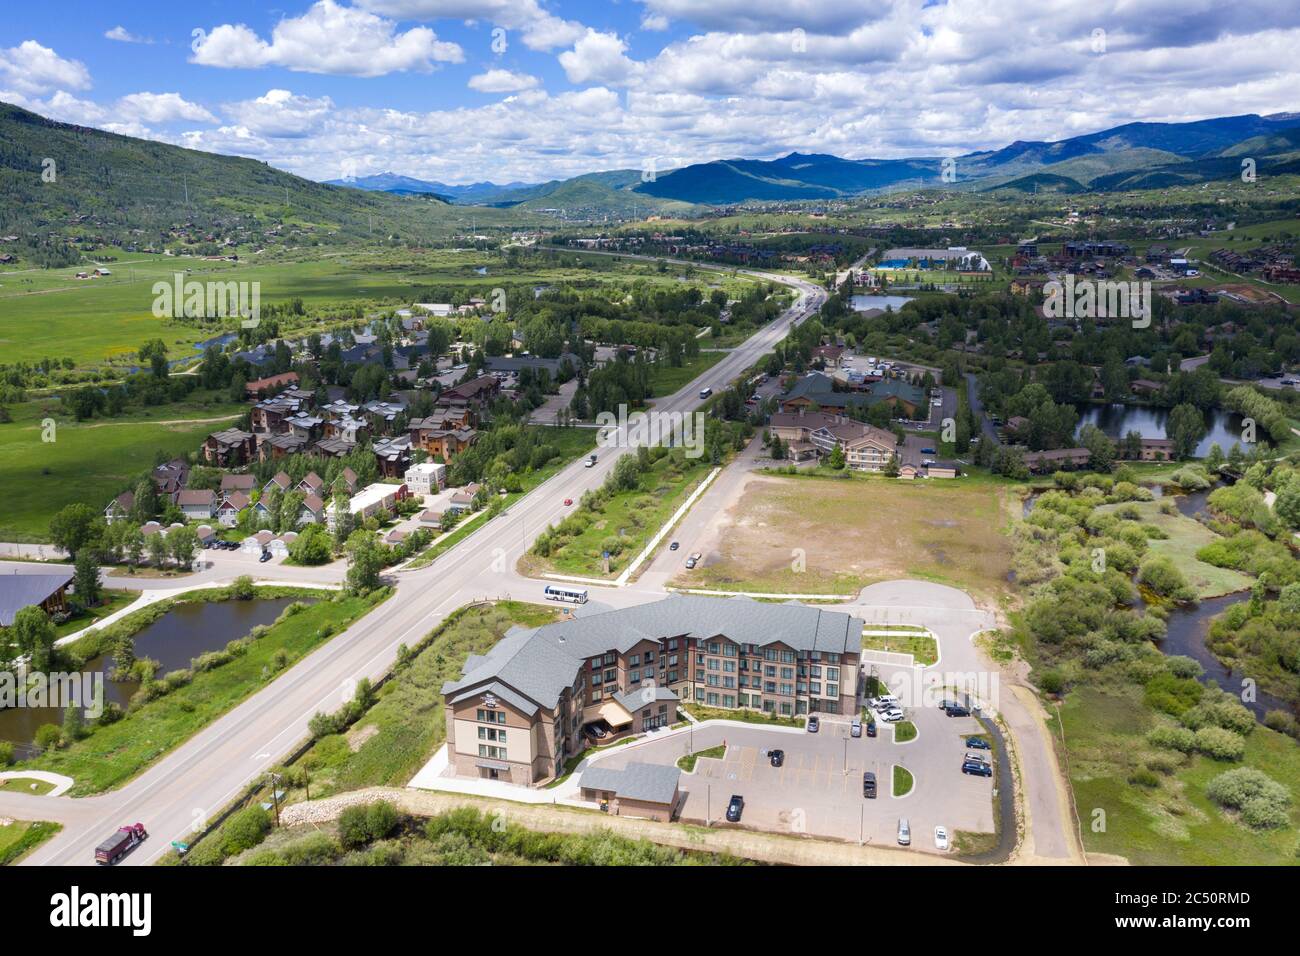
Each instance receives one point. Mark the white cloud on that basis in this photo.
(162, 108)
(599, 58)
(502, 81)
(328, 38)
(654, 21)
(123, 35)
(34, 70)
(540, 29)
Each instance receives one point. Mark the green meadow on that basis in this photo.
(88, 461)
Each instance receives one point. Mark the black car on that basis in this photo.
(976, 769)
(977, 743)
(869, 785)
(777, 757)
(954, 709)
(674, 546)
(266, 556)
(813, 725)
(735, 808)
(871, 729)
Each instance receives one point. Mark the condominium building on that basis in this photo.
(519, 711)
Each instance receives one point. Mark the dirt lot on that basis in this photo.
(820, 536)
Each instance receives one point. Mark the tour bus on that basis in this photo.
(562, 592)
(705, 392)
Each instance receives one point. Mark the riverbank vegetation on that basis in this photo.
(1145, 737)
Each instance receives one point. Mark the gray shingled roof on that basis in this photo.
(22, 585)
(652, 783)
(541, 663)
(640, 698)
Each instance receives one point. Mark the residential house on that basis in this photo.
(33, 585)
(120, 507)
(393, 455)
(261, 387)
(646, 790)
(425, 478)
(197, 505)
(231, 505)
(242, 483)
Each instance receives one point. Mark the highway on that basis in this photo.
(194, 782)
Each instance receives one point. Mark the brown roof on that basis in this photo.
(191, 496)
(237, 482)
(236, 499)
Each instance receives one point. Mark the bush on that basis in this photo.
(315, 849)
(1051, 682)
(360, 825)
(241, 589)
(1162, 576)
(245, 830)
(48, 736)
(1185, 667)
(1142, 777)
(1280, 720)
(1220, 744)
(6, 753)
(1173, 738)
(1261, 800)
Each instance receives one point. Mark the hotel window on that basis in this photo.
(713, 680)
(595, 680)
(833, 673)
(832, 658)
(634, 660)
(769, 653)
(672, 644)
(815, 687)
(728, 650)
(787, 690)
(769, 687)
(816, 671)
(649, 657)
(786, 710)
(491, 716)
(729, 666)
(787, 657)
(634, 677)
(769, 671)
(672, 677)
(699, 693)
(729, 682)
(832, 690)
(611, 676)
(672, 660)
(712, 663)
(610, 657)
(787, 673)
(713, 647)
(728, 700)
(711, 700)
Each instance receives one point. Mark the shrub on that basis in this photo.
(241, 589)
(1261, 800)
(1161, 575)
(360, 825)
(48, 736)
(1051, 682)
(1280, 720)
(1185, 667)
(1173, 738)
(1220, 744)
(314, 849)
(1142, 777)
(245, 830)
(6, 753)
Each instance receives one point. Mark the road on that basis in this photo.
(199, 778)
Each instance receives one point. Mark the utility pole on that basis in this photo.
(275, 794)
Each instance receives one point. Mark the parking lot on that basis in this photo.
(818, 790)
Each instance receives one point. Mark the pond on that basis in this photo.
(1118, 419)
(862, 303)
(180, 635)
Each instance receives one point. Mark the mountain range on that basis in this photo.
(1131, 156)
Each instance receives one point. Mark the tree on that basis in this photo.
(1287, 506)
(85, 579)
(1215, 459)
(183, 543)
(33, 635)
(73, 724)
(837, 457)
(74, 527)
(1101, 450)
(157, 548)
(312, 546)
(1185, 428)
(365, 561)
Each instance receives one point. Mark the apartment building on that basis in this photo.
(519, 711)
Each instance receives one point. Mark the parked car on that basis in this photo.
(692, 561)
(954, 709)
(871, 728)
(813, 725)
(595, 731)
(266, 556)
(855, 728)
(674, 546)
(941, 838)
(891, 716)
(927, 451)
(777, 757)
(978, 743)
(735, 808)
(904, 832)
(869, 785)
(976, 769)
(974, 758)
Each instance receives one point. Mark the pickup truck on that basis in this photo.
(120, 844)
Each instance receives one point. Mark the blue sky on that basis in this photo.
(463, 90)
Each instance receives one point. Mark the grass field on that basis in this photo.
(665, 379)
(923, 648)
(20, 837)
(115, 753)
(26, 785)
(51, 313)
(802, 535)
(387, 745)
(1173, 823)
(687, 762)
(88, 461)
(903, 781)
(1186, 537)
(630, 518)
(112, 601)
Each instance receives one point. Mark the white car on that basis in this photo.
(941, 838)
(890, 716)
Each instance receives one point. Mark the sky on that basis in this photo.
(461, 91)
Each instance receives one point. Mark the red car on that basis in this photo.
(568, 501)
